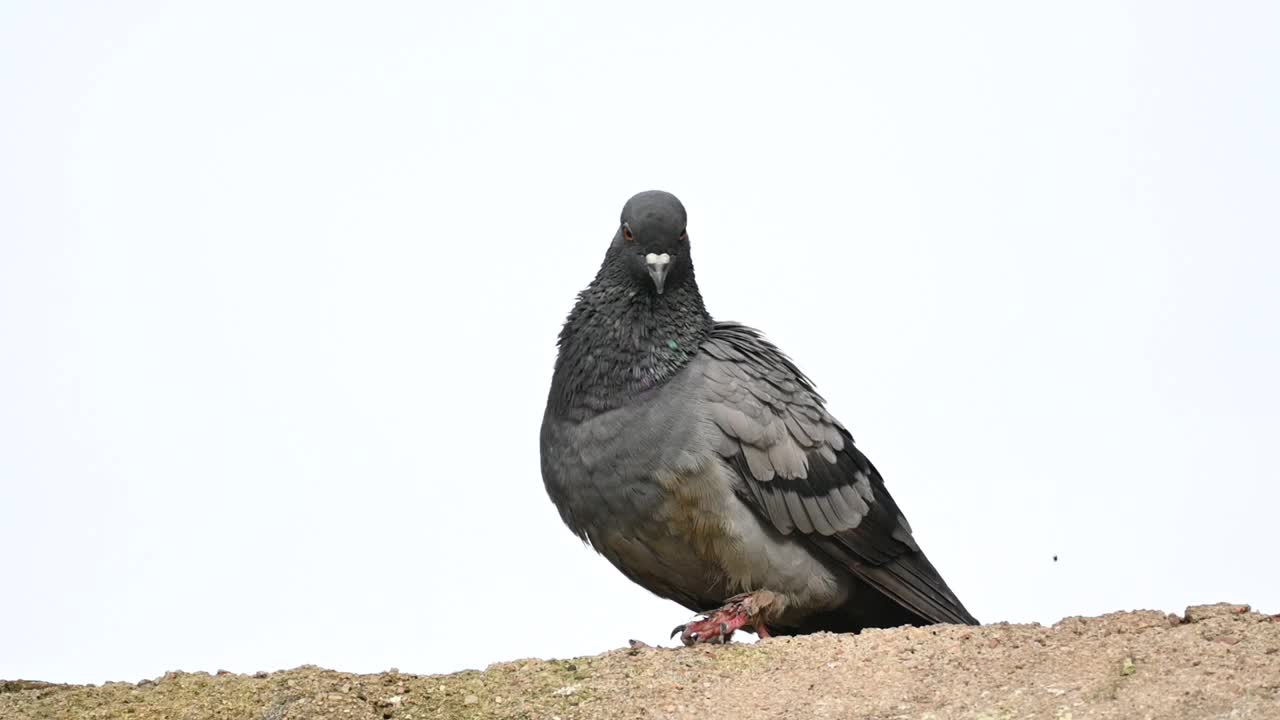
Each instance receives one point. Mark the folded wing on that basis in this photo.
(800, 470)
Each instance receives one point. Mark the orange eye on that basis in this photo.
(627, 234)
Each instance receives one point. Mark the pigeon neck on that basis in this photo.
(620, 343)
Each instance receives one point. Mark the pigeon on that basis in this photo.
(701, 462)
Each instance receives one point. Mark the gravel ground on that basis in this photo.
(1218, 661)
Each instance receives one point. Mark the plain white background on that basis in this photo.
(280, 285)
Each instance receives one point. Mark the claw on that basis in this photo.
(718, 626)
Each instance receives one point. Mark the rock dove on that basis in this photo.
(700, 461)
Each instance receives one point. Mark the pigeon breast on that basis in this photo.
(646, 486)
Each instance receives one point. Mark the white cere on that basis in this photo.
(656, 259)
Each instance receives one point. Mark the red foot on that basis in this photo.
(718, 626)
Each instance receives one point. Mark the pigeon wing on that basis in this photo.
(801, 471)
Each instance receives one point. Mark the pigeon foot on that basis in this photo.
(741, 612)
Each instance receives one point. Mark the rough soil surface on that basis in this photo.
(1218, 661)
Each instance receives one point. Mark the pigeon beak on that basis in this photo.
(658, 266)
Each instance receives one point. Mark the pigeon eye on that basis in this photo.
(627, 234)
(684, 236)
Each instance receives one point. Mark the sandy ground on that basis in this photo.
(1219, 661)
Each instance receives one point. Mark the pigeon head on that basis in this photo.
(639, 321)
(652, 242)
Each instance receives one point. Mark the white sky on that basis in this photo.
(280, 285)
